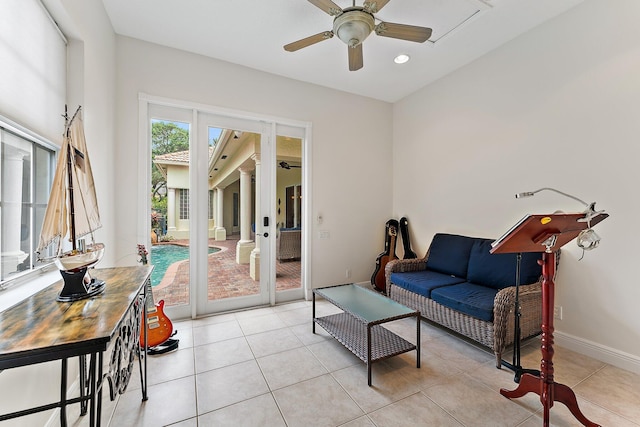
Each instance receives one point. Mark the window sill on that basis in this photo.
(29, 286)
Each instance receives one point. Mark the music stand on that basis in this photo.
(515, 366)
(546, 234)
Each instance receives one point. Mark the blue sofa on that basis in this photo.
(459, 284)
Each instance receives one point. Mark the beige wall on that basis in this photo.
(169, 73)
(556, 107)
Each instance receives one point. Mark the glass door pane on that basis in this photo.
(170, 211)
(233, 269)
(289, 213)
(290, 183)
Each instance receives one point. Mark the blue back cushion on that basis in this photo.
(449, 254)
(499, 270)
(424, 281)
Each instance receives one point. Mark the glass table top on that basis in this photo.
(369, 306)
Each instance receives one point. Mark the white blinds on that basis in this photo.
(32, 68)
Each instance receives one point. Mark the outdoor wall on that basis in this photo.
(353, 244)
(285, 178)
(227, 214)
(556, 107)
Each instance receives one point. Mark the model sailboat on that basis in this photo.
(71, 214)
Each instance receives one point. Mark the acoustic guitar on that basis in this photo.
(378, 279)
(404, 232)
(159, 327)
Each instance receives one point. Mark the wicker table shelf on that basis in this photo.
(359, 328)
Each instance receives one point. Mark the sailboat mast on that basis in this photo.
(72, 213)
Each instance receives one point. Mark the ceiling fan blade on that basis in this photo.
(328, 6)
(308, 41)
(404, 32)
(374, 6)
(355, 57)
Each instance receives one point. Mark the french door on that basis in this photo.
(226, 202)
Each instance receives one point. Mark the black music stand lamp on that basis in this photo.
(546, 234)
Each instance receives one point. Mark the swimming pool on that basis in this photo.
(162, 256)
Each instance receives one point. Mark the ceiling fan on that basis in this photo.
(354, 24)
(285, 165)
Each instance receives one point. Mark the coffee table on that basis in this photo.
(359, 328)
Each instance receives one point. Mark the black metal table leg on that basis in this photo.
(95, 388)
(369, 354)
(418, 340)
(63, 394)
(313, 312)
(84, 385)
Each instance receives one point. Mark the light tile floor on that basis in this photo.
(265, 367)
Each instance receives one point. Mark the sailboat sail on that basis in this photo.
(72, 211)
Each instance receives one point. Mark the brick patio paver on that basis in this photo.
(225, 278)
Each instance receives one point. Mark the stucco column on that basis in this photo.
(12, 255)
(245, 244)
(254, 263)
(220, 233)
(171, 209)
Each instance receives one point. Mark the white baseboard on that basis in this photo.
(606, 354)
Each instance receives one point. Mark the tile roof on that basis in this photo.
(178, 156)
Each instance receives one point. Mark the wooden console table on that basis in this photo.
(41, 329)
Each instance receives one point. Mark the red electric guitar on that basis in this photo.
(378, 279)
(159, 327)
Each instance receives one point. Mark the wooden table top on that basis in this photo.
(40, 325)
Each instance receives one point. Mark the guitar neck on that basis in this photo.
(392, 246)
(151, 305)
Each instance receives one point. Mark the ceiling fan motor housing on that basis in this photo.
(353, 26)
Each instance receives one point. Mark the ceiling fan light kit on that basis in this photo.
(353, 25)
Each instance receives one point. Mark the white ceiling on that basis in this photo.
(253, 32)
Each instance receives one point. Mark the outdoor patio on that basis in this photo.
(226, 278)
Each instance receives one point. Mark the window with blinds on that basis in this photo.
(32, 101)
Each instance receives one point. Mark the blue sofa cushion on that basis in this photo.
(499, 270)
(423, 282)
(468, 298)
(449, 254)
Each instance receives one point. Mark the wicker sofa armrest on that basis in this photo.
(403, 266)
(530, 301)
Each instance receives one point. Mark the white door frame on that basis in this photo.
(269, 127)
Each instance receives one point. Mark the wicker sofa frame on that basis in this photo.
(496, 335)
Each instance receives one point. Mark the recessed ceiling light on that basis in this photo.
(401, 59)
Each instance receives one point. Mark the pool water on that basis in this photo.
(162, 256)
